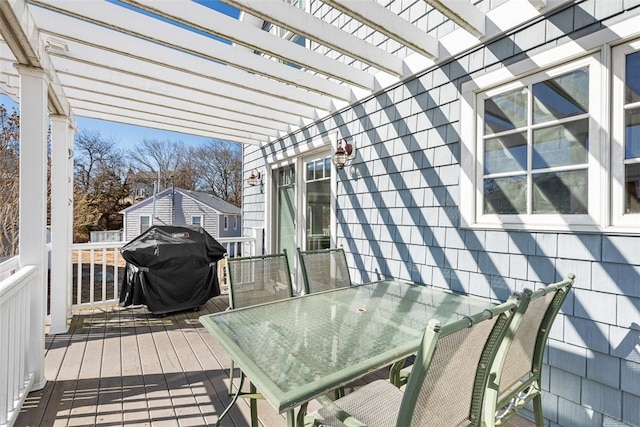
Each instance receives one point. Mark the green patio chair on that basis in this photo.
(515, 377)
(446, 386)
(256, 280)
(324, 269)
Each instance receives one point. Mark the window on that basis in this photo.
(226, 222)
(235, 225)
(533, 160)
(197, 220)
(145, 223)
(626, 135)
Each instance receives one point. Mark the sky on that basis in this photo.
(128, 136)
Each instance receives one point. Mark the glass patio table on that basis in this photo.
(297, 349)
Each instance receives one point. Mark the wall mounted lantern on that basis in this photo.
(343, 155)
(255, 178)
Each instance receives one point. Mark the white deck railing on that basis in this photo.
(16, 379)
(97, 269)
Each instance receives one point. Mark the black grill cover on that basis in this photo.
(171, 268)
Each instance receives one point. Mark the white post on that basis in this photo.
(33, 205)
(60, 262)
(258, 233)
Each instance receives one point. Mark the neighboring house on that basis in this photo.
(507, 166)
(177, 206)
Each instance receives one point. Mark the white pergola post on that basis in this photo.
(61, 134)
(33, 205)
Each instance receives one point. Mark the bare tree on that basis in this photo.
(100, 189)
(9, 181)
(219, 166)
(163, 159)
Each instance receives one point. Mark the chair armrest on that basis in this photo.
(334, 410)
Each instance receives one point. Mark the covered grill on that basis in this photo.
(171, 268)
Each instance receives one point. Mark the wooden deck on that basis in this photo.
(129, 367)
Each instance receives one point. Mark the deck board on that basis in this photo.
(129, 367)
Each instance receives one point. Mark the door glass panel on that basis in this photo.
(632, 185)
(286, 211)
(632, 78)
(318, 196)
(632, 134)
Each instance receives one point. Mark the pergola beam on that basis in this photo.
(388, 23)
(180, 99)
(166, 113)
(209, 21)
(19, 31)
(463, 14)
(186, 129)
(299, 22)
(106, 39)
(151, 76)
(152, 118)
(156, 31)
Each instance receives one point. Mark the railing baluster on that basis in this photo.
(16, 376)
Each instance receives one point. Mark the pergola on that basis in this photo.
(161, 64)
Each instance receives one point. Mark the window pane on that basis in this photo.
(505, 195)
(562, 145)
(560, 192)
(632, 73)
(507, 153)
(632, 134)
(561, 97)
(327, 167)
(505, 112)
(632, 183)
(319, 165)
(310, 175)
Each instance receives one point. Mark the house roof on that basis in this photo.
(206, 199)
(160, 64)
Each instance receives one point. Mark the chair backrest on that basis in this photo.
(258, 279)
(448, 380)
(526, 349)
(324, 269)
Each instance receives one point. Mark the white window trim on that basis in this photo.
(618, 217)
(201, 220)
(225, 222)
(140, 222)
(471, 121)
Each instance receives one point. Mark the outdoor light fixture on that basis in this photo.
(343, 155)
(255, 178)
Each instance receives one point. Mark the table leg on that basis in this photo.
(291, 418)
(253, 404)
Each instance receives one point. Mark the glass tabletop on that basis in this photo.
(296, 349)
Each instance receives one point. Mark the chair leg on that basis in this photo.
(537, 411)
